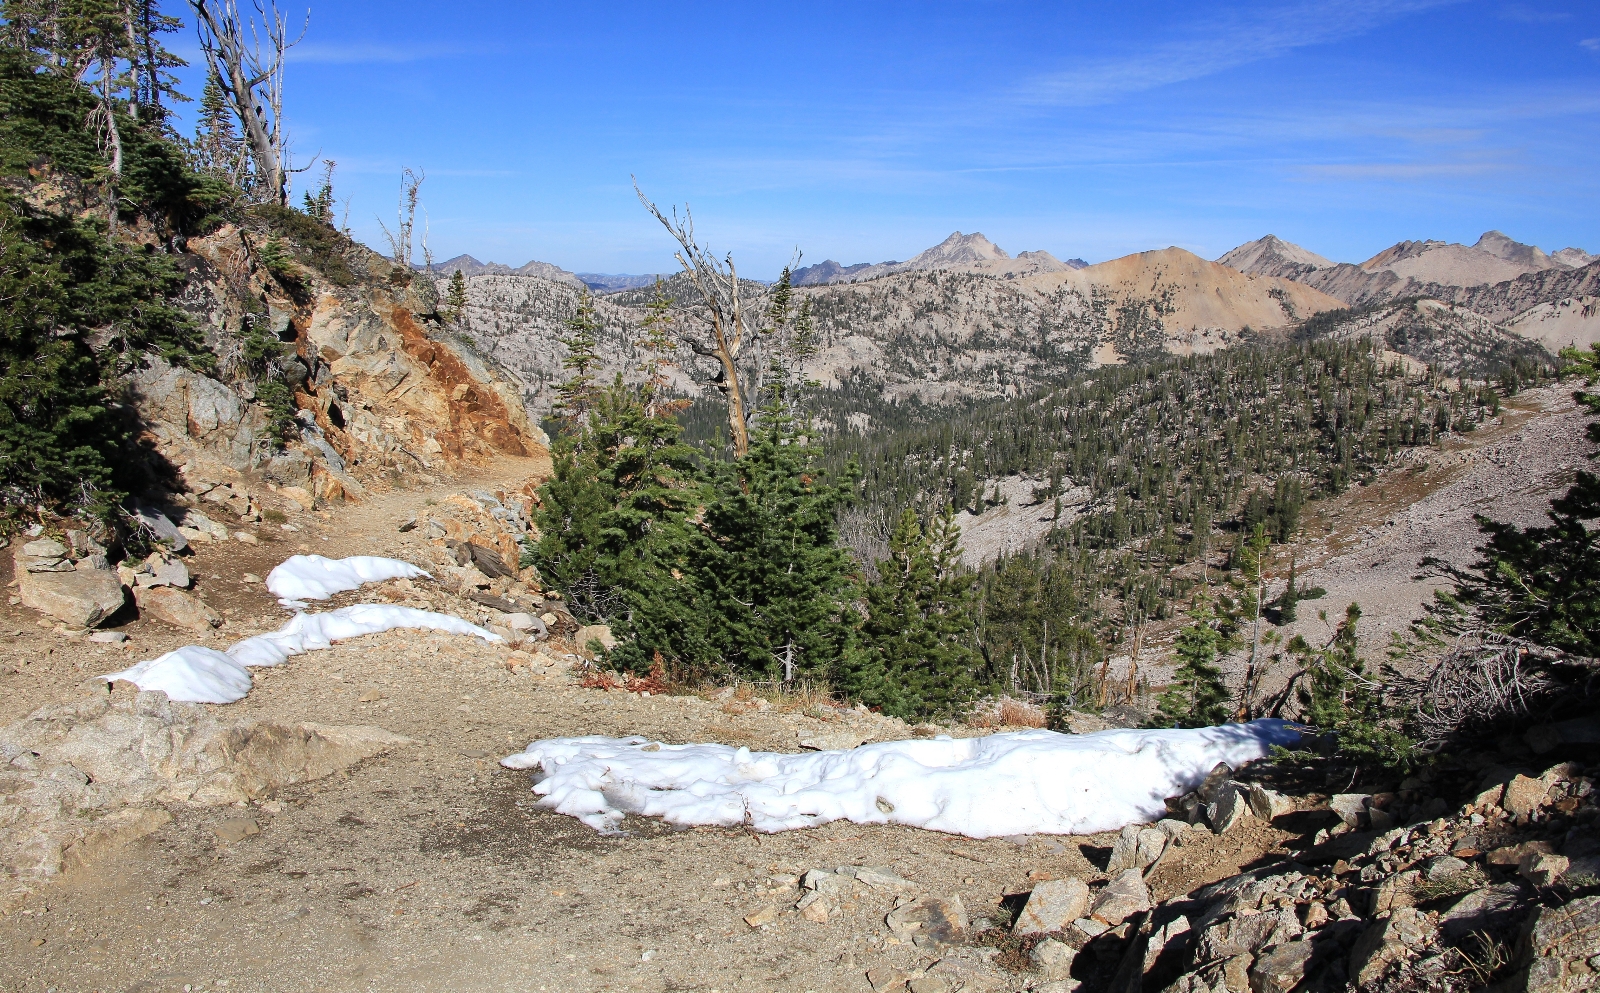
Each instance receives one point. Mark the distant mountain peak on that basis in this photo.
(1500, 246)
(959, 248)
(1270, 255)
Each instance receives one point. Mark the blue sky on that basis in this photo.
(868, 131)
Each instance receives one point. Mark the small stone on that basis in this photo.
(885, 977)
(1052, 905)
(1280, 969)
(1542, 869)
(1267, 804)
(1350, 807)
(1229, 809)
(108, 637)
(1152, 842)
(1246, 933)
(1524, 795)
(171, 573)
(176, 607)
(1091, 927)
(1054, 958)
(250, 578)
(936, 919)
(36, 942)
(1125, 896)
(1210, 790)
(1394, 892)
(766, 915)
(246, 537)
(77, 598)
(928, 984)
(372, 695)
(1316, 915)
(1387, 942)
(815, 907)
(1442, 867)
(235, 829)
(45, 548)
(1125, 851)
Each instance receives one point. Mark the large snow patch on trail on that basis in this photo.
(299, 578)
(196, 674)
(1025, 782)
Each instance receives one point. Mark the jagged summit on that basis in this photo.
(956, 249)
(1272, 256)
(1497, 244)
(960, 252)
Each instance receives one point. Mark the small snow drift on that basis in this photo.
(192, 674)
(1026, 782)
(314, 577)
(195, 674)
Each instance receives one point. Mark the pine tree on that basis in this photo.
(217, 148)
(773, 585)
(659, 343)
(919, 623)
(1339, 698)
(1288, 613)
(576, 397)
(1197, 696)
(455, 301)
(611, 516)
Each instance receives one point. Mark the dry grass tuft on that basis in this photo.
(1007, 712)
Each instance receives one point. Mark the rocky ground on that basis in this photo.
(347, 826)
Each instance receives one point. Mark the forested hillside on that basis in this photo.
(1182, 459)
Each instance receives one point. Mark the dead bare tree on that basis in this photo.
(406, 221)
(251, 75)
(717, 281)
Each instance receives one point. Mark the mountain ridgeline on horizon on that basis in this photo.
(969, 252)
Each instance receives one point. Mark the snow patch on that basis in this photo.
(195, 674)
(1024, 782)
(192, 674)
(315, 577)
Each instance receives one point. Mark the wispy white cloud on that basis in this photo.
(1216, 46)
(1592, 44)
(361, 52)
(1403, 170)
(1530, 14)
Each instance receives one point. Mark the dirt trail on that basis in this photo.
(429, 868)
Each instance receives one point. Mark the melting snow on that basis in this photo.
(1026, 782)
(195, 674)
(314, 577)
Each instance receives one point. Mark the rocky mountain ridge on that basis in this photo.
(959, 252)
(939, 335)
(1547, 298)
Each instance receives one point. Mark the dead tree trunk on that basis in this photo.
(718, 285)
(252, 80)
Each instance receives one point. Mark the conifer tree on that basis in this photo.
(1339, 698)
(611, 516)
(575, 397)
(919, 622)
(217, 148)
(455, 300)
(1197, 696)
(772, 587)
